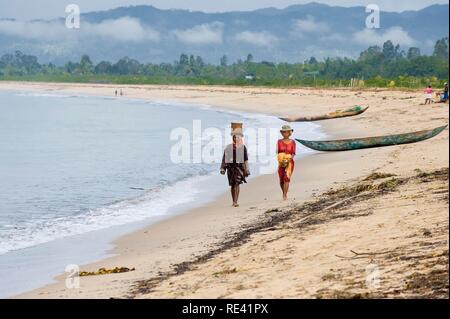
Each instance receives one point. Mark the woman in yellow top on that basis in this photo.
(286, 149)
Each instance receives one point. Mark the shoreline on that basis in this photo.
(101, 251)
(189, 235)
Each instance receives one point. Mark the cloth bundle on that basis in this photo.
(285, 161)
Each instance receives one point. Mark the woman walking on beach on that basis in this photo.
(235, 162)
(286, 150)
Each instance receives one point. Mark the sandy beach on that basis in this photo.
(379, 213)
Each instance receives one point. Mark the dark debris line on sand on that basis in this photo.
(323, 209)
(431, 283)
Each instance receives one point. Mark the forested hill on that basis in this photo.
(386, 65)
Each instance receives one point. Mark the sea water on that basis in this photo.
(78, 171)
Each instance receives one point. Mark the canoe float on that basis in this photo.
(369, 142)
(333, 115)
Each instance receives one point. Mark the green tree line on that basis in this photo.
(377, 66)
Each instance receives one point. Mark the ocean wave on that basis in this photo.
(153, 203)
(57, 95)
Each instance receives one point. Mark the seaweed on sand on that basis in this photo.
(323, 209)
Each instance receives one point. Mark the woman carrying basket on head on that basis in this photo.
(235, 162)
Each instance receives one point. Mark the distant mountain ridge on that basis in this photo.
(291, 34)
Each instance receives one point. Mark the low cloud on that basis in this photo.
(262, 39)
(309, 25)
(396, 34)
(333, 37)
(211, 33)
(33, 30)
(125, 29)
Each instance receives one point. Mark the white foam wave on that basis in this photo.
(33, 94)
(152, 204)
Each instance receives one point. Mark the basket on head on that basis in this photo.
(236, 125)
(236, 129)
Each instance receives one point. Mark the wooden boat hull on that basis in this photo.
(334, 115)
(369, 142)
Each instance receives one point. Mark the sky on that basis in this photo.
(45, 9)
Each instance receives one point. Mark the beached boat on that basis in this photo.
(333, 115)
(369, 142)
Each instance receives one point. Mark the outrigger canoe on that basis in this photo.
(333, 115)
(369, 142)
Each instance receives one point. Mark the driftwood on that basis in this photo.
(357, 255)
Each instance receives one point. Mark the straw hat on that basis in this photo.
(286, 128)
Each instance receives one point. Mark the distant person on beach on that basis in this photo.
(121, 92)
(286, 150)
(428, 95)
(116, 92)
(235, 162)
